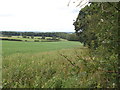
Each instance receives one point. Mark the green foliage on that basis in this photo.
(36, 40)
(97, 26)
(32, 37)
(72, 37)
(43, 37)
(63, 35)
(29, 39)
(24, 36)
(54, 38)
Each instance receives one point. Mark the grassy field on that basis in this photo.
(36, 64)
(13, 47)
(50, 65)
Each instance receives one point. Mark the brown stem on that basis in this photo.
(73, 64)
(114, 6)
(108, 71)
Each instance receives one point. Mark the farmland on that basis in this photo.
(62, 64)
(13, 47)
(56, 64)
(35, 64)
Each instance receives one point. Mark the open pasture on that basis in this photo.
(13, 47)
(37, 64)
(62, 64)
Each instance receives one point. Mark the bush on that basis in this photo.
(36, 40)
(9, 35)
(43, 37)
(32, 37)
(72, 37)
(24, 36)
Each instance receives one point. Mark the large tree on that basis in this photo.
(97, 27)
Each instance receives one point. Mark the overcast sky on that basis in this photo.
(38, 15)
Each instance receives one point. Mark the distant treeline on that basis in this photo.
(63, 35)
(10, 39)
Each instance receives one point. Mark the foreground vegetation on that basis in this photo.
(56, 69)
(41, 70)
(27, 59)
(74, 67)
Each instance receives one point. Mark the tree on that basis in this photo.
(43, 37)
(97, 27)
(32, 37)
(72, 37)
(24, 36)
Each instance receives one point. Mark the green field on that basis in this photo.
(13, 47)
(39, 64)
(63, 64)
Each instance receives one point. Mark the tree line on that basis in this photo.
(63, 35)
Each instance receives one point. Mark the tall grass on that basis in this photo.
(51, 70)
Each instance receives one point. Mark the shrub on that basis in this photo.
(24, 36)
(36, 40)
(43, 37)
(32, 37)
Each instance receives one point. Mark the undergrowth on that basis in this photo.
(69, 68)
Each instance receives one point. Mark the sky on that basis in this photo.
(38, 15)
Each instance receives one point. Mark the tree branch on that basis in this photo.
(73, 64)
(113, 6)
